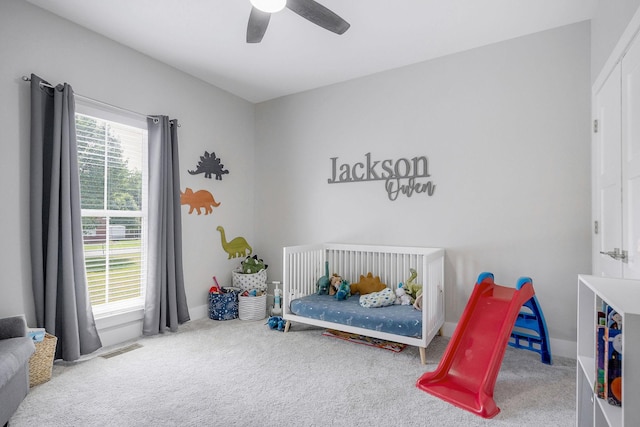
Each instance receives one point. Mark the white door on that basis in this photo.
(631, 160)
(607, 166)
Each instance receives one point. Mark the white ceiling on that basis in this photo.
(206, 38)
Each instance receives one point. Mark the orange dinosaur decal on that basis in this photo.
(201, 199)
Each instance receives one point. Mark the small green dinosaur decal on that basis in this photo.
(237, 247)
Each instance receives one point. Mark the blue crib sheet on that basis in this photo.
(395, 319)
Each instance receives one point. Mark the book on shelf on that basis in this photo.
(601, 341)
(608, 355)
(614, 358)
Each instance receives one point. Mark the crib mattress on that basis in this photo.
(395, 319)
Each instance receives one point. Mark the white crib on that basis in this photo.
(304, 265)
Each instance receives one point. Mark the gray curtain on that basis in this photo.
(166, 302)
(57, 258)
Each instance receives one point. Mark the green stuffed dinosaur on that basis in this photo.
(411, 288)
(253, 265)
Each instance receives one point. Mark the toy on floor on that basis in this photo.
(467, 372)
(530, 331)
(276, 322)
(277, 302)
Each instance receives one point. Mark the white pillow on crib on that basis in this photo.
(378, 299)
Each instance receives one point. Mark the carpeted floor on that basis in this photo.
(241, 373)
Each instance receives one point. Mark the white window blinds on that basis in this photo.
(112, 166)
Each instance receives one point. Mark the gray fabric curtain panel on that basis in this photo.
(59, 282)
(165, 301)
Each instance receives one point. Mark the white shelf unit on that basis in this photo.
(622, 295)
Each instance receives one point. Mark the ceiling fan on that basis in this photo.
(309, 9)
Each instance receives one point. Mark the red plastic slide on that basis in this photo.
(467, 372)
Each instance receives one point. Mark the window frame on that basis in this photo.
(112, 114)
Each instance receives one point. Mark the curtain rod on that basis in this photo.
(155, 119)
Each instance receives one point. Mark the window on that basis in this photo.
(113, 176)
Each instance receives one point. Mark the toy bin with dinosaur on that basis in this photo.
(251, 279)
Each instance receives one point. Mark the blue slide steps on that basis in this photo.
(530, 330)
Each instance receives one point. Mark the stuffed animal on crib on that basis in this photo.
(334, 283)
(401, 296)
(324, 283)
(412, 277)
(367, 284)
(344, 291)
(323, 287)
(418, 304)
(411, 287)
(412, 290)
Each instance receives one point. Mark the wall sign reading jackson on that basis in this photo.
(401, 176)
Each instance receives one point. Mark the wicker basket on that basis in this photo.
(252, 308)
(41, 363)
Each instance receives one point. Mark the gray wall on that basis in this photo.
(506, 131)
(32, 40)
(609, 21)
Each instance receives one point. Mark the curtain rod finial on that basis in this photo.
(26, 79)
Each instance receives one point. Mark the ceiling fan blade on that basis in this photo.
(258, 23)
(319, 15)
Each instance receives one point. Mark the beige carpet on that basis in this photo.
(241, 373)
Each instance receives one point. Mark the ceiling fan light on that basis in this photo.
(269, 6)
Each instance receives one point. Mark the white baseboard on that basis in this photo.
(561, 348)
(199, 312)
(448, 329)
(119, 328)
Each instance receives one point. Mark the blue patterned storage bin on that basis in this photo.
(223, 306)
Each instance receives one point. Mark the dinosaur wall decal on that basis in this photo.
(210, 164)
(237, 247)
(201, 199)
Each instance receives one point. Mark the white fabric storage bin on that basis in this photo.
(252, 308)
(247, 282)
